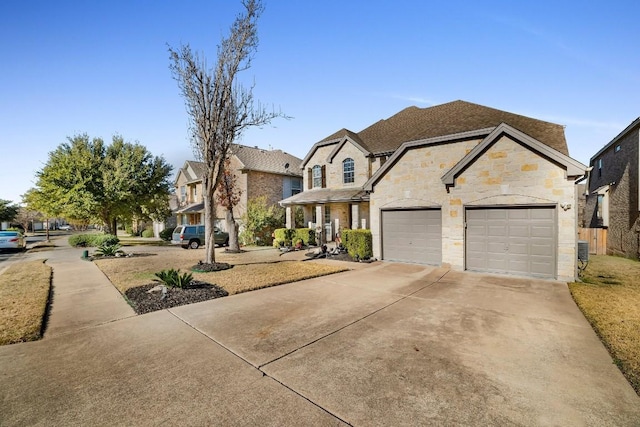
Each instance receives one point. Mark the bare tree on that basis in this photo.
(228, 196)
(219, 108)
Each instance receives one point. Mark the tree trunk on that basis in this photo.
(114, 227)
(209, 221)
(232, 229)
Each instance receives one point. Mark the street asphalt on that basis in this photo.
(385, 344)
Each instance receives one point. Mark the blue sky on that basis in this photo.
(101, 67)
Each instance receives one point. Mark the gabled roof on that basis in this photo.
(573, 167)
(413, 123)
(271, 161)
(192, 170)
(489, 135)
(252, 159)
(337, 138)
(628, 129)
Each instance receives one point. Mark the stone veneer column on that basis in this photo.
(355, 216)
(290, 217)
(320, 222)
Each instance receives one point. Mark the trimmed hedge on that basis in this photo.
(93, 240)
(289, 236)
(359, 243)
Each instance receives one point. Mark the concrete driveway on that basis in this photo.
(390, 344)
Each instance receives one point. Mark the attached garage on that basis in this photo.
(412, 235)
(514, 240)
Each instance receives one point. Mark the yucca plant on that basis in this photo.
(109, 250)
(173, 279)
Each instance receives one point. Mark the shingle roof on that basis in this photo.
(272, 161)
(415, 123)
(326, 195)
(254, 159)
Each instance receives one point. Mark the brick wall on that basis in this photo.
(620, 171)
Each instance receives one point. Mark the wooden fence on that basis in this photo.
(597, 238)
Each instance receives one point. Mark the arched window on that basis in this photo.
(347, 171)
(317, 176)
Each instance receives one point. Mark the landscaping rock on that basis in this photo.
(144, 301)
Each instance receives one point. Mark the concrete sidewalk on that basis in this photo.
(388, 344)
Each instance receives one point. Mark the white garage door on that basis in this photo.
(412, 236)
(512, 240)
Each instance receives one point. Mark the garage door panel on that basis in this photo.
(496, 230)
(496, 214)
(412, 236)
(511, 240)
(543, 213)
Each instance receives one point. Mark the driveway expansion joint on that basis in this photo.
(258, 368)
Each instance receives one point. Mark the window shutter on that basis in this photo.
(324, 176)
(309, 179)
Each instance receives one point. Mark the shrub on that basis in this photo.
(109, 250)
(259, 222)
(307, 235)
(147, 232)
(93, 240)
(359, 243)
(283, 237)
(289, 236)
(173, 279)
(166, 234)
(104, 239)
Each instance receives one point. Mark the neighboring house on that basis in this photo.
(271, 173)
(457, 184)
(612, 198)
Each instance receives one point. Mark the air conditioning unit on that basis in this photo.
(583, 256)
(583, 250)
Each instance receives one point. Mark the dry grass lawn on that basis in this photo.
(610, 300)
(251, 270)
(24, 292)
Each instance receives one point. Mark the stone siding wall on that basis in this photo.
(506, 174)
(334, 176)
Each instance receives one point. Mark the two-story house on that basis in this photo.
(613, 195)
(457, 184)
(259, 172)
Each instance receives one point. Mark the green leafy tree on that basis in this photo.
(85, 181)
(8, 211)
(219, 108)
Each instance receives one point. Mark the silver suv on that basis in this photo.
(192, 236)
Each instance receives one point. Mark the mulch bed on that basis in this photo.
(202, 267)
(144, 301)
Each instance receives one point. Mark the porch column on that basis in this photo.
(290, 217)
(320, 223)
(355, 216)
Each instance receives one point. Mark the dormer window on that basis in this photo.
(348, 175)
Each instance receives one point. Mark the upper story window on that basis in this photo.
(348, 171)
(183, 193)
(600, 164)
(296, 186)
(317, 176)
(618, 148)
